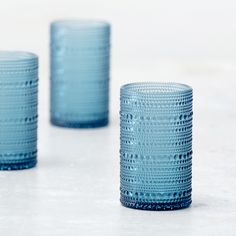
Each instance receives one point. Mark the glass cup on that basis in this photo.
(80, 62)
(18, 110)
(156, 146)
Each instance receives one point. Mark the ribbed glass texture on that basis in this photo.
(156, 146)
(80, 55)
(18, 110)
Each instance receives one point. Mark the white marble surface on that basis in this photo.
(75, 188)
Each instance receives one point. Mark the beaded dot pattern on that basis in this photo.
(80, 55)
(156, 146)
(18, 110)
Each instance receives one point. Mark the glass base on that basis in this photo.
(18, 166)
(156, 206)
(90, 124)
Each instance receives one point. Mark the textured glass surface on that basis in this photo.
(156, 146)
(18, 110)
(80, 52)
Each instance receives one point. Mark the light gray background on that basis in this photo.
(75, 188)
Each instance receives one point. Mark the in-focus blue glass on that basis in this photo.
(80, 61)
(156, 146)
(18, 110)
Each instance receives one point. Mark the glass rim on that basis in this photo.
(16, 56)
(81, 24)
(155, 89)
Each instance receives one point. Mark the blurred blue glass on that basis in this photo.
(18, 110)
(156, 146)
(80, 56)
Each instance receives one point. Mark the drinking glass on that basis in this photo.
(80, 62)
(156, 146)
(18, 110)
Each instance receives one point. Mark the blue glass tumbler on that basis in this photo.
(80, 55)
(156, 146)
(18, 110)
